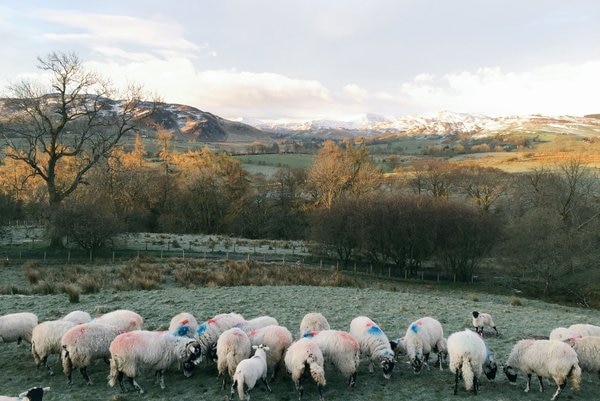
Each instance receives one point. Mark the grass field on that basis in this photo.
(393, 309)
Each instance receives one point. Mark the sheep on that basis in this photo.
(208, 332)
(183, 324)
(545, 358)
(481, 320)
(33, 394)
(562, 334)
(313, 321)
(135, 350)
(249, 371)
(17, 327)
(305, 357)
(469, 357)
(374, 344)
(77, 317)
(257, 323)
(83, 343)
(423, 336)
(339, 348)
(585, 330)
(124, 319)
(278, 339)
(46, 340)
(233, 346)
(588, 353)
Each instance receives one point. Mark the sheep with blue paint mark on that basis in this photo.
(46, 340)
(303, 358)
(233, 346)
(209, 331)
(374, 344)
(249, 371)
(422, 337)
(183, 324)
(17, 327)
(545, 358)
(341, 349)
(313, 321)
(469, 358)
(278, 339)
(33, 394)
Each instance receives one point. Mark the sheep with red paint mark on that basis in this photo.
(469, 358)
(209, 331)
(258, 322)
(585, 330)
(183, 324)
(304, 357)
(278, 339)
(17, 327)
(77, 317)
(341, 349)
(233, 346)
(46, 340)
(124, 319)
(136, 350)
(313, 321)
(33, 394)
(422, 337)
(374, 344)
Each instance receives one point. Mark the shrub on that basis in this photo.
(516, 301)
(73, 292)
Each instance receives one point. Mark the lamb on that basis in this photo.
(249, 371)
(208, 332)
(124, 319)
(545, 358)
(469, 357)
(313, 321)
(422, 337)
(233, 346)
(46, 340)
(585, 330)
(481, 320)
(84, 343)
(135, 350)
(305, 357)
(278, 339)
(33, 394)
(77, 317)
(374, 344)
(17, 327)
(588, 353)
(183, 324)
(339, 348)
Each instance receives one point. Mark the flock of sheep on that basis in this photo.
(229, 340)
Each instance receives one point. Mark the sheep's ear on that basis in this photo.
(254, 347)
(394, 345)
(46, 389)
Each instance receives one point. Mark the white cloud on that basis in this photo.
(355, 93)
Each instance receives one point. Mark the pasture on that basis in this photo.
(393, 309)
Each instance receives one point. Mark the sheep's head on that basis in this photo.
(510, 373)
(34, 394)
(191, 357)
(417, 363)
(387, 364)
(475, 314)
(398, 346)
(490, 367)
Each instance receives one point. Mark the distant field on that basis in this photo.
(268, 164)
(393, 310)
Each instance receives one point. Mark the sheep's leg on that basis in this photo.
(528, 382)
(232, 389)
(161, 378)
(137, 386)
(475, 385)
(120, 380)
(541, 383)
(352, 380)
(439, 360)
(86, 376)
(19, 340)
(426, 360)
(456, 377)
(320, 388)
(45, 363)
(264, 380)
(559, 389)
(371, 368)
(299, 388)
(497, 332)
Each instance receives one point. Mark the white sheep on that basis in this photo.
(77, 317)
(588, 353)
(339, 348)
(46, 340)
(313, 321)
(33, 394)
(545, 358)
(248, 372)
(585, 330)
(85, 343)
(257, 323)
(469, 357)
(124, 319)
(482, 320)
(422, 337)
(183, 324)
(305, 357)
(209, 331)
(278, 339)
(17, 327)
(562, 334)
(157, 350)
(233, 346)
(374, 344)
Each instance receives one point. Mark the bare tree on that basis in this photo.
(61, 130)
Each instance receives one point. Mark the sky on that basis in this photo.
(334, 59)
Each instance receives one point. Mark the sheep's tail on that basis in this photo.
(114, 372)
(316, 370)
(66, 361)
(231, 363)
(467, 374)
(575, 377)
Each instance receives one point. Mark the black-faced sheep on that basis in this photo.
(469, 357)
(233, 346)
(422, 337)
(84, 343)
(339, 348)
(303, 358)
(482, 320)
(278, 339)
(46, 340)
(248, 372)
(545, 358)
(157, 350)
(33, 394)
(17, 327)
(374, 344)
(313, 321)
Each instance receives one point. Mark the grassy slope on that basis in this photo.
(392, 310)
